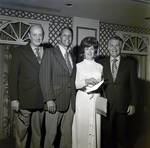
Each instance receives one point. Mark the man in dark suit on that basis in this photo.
(120, 76)
(24, 88)
(57, 79)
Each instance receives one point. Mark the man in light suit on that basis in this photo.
(57, 81)
(24, 88)
(121, 92)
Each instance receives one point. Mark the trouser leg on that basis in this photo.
(66, 129)
(36, 125)
(121, 130)
(109, 130)
(51, 124)
(22, 122)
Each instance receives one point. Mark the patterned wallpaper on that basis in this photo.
(33, 15)
(56, 24)
(108, 30)
(54, 31)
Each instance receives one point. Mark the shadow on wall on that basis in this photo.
(138, 133)
(77, 53)
(47, 45)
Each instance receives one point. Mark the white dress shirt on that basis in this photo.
(63, 51)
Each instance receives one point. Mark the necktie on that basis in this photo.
(66, 56)
(38, 56)
(114, 69)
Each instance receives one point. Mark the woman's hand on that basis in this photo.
(91, 81)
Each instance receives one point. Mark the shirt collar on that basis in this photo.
(62, 49)
(118, 58)
(34, 48)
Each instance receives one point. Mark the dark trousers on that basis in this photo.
(62, 120)
(114, 128)
(24, 119)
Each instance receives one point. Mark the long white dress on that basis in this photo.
(86, 129)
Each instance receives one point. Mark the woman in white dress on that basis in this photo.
(86, 129)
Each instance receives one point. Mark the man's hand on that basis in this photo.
(131, 110)
(15, 105)
(51, 106)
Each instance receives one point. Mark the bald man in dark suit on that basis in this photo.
(24, 88)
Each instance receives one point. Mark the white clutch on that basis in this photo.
(101, 106)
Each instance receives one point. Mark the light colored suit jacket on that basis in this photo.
(56, 82)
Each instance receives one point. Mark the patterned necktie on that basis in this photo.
(38, 56)
(114, 69)
(66, 56)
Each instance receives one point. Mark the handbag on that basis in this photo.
(101, 104)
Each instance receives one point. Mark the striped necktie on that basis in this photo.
(38, 56)
(66, 56)
(114, 69)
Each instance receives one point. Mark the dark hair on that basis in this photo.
(116, 38)
(88, 42)
(69, 28)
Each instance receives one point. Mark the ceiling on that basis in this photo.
(123, 12)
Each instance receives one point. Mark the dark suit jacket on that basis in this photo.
(123, 92)
(56, 82)
(24, 79)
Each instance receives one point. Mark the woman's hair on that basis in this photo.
(88, 42)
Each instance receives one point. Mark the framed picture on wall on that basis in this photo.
(83, 32)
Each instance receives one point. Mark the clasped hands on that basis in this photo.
(91, 81)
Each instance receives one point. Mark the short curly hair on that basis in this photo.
(88, 42)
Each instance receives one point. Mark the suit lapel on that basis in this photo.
(108, 69)
(60, 58)
(73, 62)
(121, 68)
(29, 55)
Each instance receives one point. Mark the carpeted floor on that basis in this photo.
(7, 143)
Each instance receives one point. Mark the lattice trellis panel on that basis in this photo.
(34, 15)
(108, 30)
(105, 35)
(54, 31)
(14, 32)
(135, 44)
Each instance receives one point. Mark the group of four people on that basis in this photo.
(43, 82)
